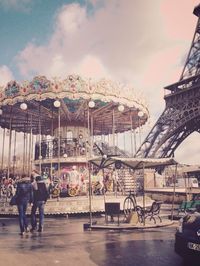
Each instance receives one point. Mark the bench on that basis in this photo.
(151, 212)
(188, 206)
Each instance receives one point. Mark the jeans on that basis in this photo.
(23, 224)
(40, 206)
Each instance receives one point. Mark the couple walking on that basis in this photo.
(36, 194)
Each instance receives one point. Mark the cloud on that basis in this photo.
(18, 5)
(5, 75)
(134, 42)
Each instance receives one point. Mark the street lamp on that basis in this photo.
(121, 108)
(56, 103)
(23, 106)
(140, 114)
(91, 104)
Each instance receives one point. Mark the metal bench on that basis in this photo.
(188, 206)
(151, 212)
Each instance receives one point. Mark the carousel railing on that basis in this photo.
(69, 147)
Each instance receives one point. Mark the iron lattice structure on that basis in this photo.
(181, 116)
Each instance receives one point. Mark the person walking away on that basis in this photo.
(24, 193)
(40, 196)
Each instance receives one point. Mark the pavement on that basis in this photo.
(64, 242)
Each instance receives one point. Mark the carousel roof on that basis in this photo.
(74, 93)
(134, 163)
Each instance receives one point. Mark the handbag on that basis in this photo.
(13, 200)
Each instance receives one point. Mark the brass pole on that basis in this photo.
(9, 148)
(40, 142)
(143, 192)
(14, 153)
(2, 154)
(59, 142)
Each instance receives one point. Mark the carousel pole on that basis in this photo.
(59, 142)
(131, 134)
(57, 105)
(26, 157)
(9, 147)
(30, 149)
(124, 141)
(10, 140)
(23, 106)
(40, 142)
(2, 154)
(26, 153)
(90, 193)
(14, 153)
(113, 127)
(135, 144)
(32, 145)
(51, 163)
(91, 104)
(24, 149)
(143, 191)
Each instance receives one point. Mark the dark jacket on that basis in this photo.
(24, 192)
(41, 193)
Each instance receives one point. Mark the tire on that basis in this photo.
(129, 206)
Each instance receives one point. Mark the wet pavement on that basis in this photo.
(64, 242)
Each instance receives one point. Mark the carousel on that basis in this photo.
(61, 124)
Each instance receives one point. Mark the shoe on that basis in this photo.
(40, 230)
(27, 230)
(33, 230)
(21, 234)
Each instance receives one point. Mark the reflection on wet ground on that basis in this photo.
(64, 242)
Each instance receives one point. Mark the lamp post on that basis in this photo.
(57, 104)
(91, 104)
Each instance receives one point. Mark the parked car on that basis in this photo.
(187, 237)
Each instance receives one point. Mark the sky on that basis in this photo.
(142, 43)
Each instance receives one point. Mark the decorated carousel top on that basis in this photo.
(34, 106)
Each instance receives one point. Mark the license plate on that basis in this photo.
(194, 246)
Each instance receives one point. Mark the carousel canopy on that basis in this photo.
(30, 106)
(133, 163)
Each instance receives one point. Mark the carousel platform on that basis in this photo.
(72, 205)
(127, 226)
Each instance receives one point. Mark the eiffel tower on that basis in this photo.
(181, 116)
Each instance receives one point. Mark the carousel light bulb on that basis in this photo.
(40, 157)
(140, 114)
(23, 106)
(65, 155)
(105, 156)
(91, 104)
(56, 104)
(1, 111)
(120, 108)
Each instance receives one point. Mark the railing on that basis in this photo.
(68, 148)
(72, 147)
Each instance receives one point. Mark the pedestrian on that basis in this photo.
(24, 194)
(40, 196)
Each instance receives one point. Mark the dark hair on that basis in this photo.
(38, 178)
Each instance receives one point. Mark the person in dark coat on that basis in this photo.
(40, 196)
(24, 193)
